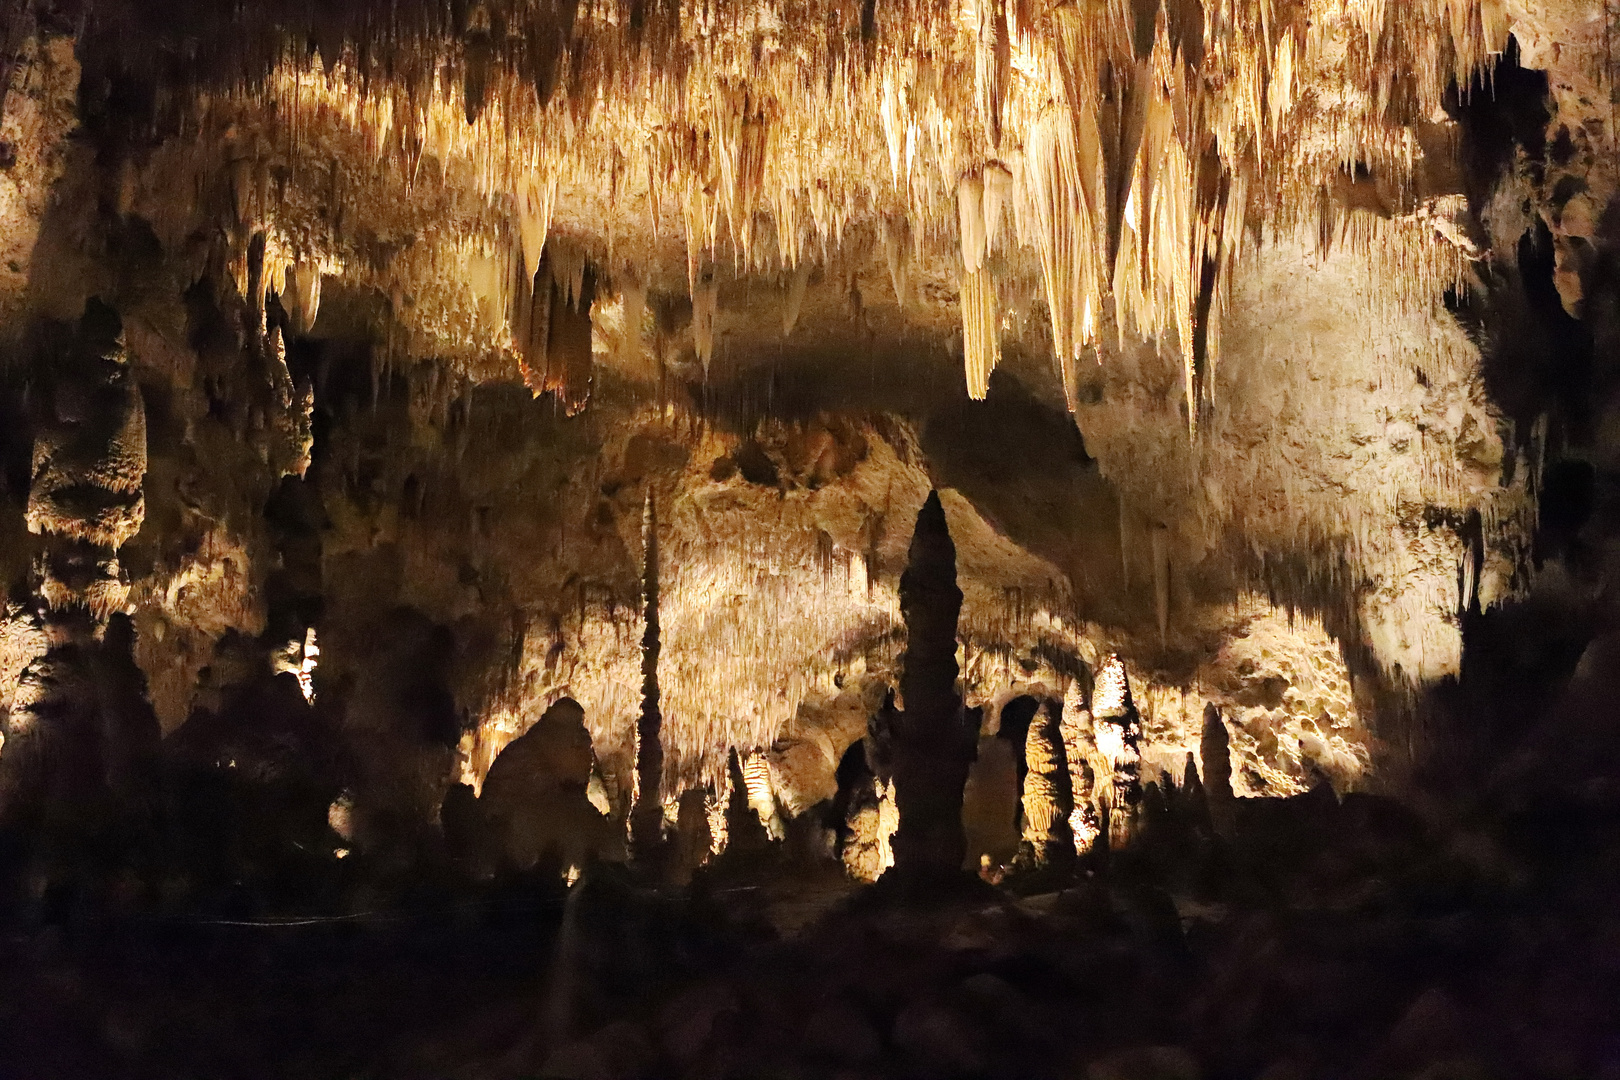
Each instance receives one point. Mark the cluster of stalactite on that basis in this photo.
(1133, 154)
(80, 738)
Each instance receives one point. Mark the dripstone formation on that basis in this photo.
(887, 540)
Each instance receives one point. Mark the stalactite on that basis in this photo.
(303, 299)
(897, 254)
(991, 59)
(981, 332)
(934, 742)
(705, 306)
(634, 293)
(970, 222)
(1143, 191)
(1047, 796)
(1215, 754)
(793, 300)
(535, 201)
(998, 196)
(568, 339)
(647, 814)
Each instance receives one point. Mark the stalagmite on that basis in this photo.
(933, 739)
(756, 773)
(1216, 754)
(74, 748)
(746, 835)
(647, 813)
(981, 332)
(1047, 797)
(1117, 765)
(1079, 749)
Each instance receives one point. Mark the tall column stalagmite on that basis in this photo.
(1047, 793)
(647, 815)
(1216, 751)
(80, 732)
(933, 741)
(1079, 749)
(1117, 766)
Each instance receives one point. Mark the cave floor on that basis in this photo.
(1329, 939)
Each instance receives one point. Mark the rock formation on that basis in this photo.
(646, 814)
(1047, 797)
(1216, 754)
(534, 803)
(80, 741)
(1115, 754)
(933, 740)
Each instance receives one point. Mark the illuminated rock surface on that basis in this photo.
(524, 510)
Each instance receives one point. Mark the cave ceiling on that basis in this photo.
(1171, 301)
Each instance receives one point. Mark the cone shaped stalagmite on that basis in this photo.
(933, 740)
(1216, 751)
(1047, 796)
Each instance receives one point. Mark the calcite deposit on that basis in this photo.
(651, 473)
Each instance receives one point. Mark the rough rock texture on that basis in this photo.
(1048, 795)
(534, 801)
(1215, 755)
(933, 737)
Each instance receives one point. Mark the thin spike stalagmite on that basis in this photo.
(647, 814)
